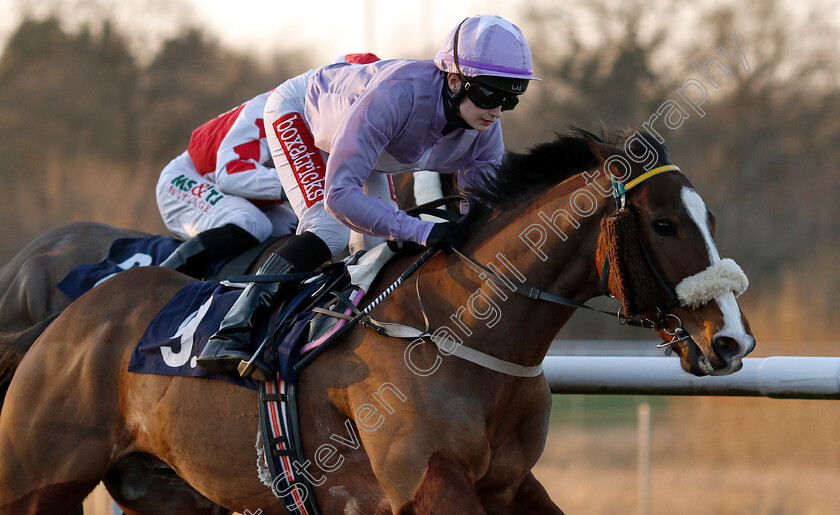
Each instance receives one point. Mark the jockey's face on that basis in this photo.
(476, 117)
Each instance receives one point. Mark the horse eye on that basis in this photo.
(664, 227)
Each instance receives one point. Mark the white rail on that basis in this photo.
(782, 377)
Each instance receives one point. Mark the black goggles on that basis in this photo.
(488, 98)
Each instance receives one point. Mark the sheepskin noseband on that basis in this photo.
(718, 279)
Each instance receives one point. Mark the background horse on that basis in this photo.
(27, 282)
(391, 426)
(30, 301)
(28, 292)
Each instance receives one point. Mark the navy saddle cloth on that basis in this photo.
(151, 250)
(125, 253)
(179, 332)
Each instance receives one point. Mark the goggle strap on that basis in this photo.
(455, 47)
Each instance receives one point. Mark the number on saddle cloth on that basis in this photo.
(179, 332)
(124, 253)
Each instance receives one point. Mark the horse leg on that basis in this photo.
(47, 465)
(60, 426)
(444, 489)
(142, 484)
(532, 498)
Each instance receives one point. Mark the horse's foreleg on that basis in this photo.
(444, 489)
(61, 498)
(532, 498)
(59, 426)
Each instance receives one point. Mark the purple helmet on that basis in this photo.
(488, 47)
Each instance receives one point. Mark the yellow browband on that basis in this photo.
(647, 175)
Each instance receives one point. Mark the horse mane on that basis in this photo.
(548, 164)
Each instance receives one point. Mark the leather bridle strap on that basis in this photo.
(620, 190)
(647, 175)
(521, 288)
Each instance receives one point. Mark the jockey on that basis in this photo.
(223, 194)
(337, 131)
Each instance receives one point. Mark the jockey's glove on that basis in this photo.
(446, 236)
(404, 247)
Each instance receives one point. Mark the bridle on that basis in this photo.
(390, 329)
(660, 323)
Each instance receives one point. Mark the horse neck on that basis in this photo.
(563, 264)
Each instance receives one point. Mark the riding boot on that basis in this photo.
(186, 257)
(196, 253)
(232, 342)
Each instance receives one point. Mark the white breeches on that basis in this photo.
(189, 204)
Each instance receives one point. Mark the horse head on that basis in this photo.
(656, 253)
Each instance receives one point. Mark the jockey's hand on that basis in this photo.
(404, 247)
(446, 236)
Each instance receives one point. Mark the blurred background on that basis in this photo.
(96, 96)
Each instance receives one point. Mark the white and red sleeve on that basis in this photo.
(241, 153)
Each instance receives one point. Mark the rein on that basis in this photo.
(448, 346)
(485, 360)
(619, 193)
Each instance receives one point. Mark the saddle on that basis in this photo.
(324, 301)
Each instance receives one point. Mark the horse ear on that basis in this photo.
(601, 151)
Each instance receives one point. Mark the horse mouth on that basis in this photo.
(706, 367)
(722, 357)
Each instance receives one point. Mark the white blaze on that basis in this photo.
(733, 326)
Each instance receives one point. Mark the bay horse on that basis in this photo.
(30, 300)
(392, 427)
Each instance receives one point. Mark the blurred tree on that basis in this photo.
(768, 146)
(764, 154)
(85, 128)
(598, 64)
(63, 95)
(191, 80)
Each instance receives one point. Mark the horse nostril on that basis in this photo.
(751, 346)
(725, 346)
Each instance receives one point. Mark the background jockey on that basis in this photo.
(331, 128)
(223, 194)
